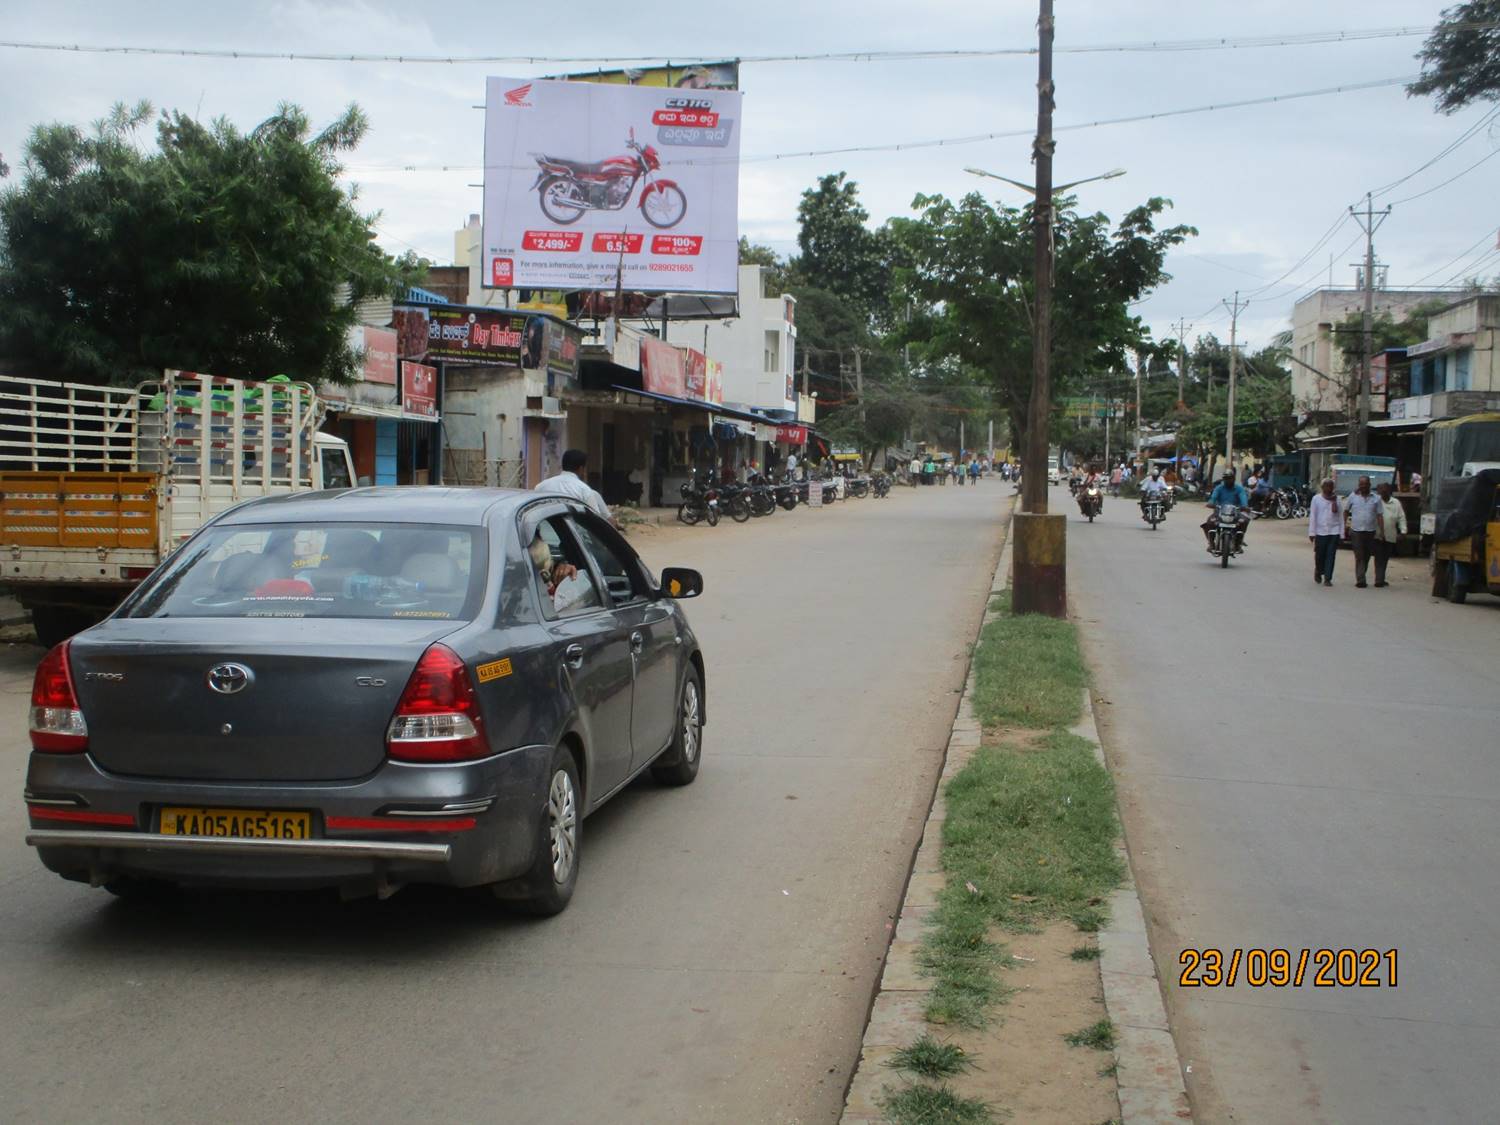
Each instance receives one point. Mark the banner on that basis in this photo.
(698, 76)
(378, 346)
(418, 389)
(663, 368)
(584, 181)
(791, 435)
(696, 368)
(715, 389)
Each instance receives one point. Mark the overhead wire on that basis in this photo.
(1458, 176)
(1483, 238)
(1150, 46)
(1450, 147)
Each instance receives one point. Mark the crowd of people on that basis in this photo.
(930, 470)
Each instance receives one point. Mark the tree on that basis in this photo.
(233, 253)
(1385, 332)
(971, 266)
(776, 270)
(1461, 58)
(839, 252)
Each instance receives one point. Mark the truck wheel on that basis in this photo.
(55, 624)
(1439, 579)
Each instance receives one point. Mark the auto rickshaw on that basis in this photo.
(1466, 556)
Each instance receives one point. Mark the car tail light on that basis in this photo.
(57, 724)
(438, 718)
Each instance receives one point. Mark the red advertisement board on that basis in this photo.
(696, 374)
(380, 355)
(418, 389)
(663, 368)
(791, 435)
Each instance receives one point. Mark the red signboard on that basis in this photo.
(556, 241)
(621, 243)
(663, 368)
(380, 355)
(696, 374)
(791, 435)
(690, 244)
(418, 389)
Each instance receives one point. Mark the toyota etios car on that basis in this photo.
(364, 689)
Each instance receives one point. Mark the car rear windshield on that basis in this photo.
(321, 570)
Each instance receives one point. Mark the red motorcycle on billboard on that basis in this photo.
(568, 188)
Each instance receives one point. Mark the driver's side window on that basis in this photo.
(615, 569)
(564, 585)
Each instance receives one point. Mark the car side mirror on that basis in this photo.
(679, 582)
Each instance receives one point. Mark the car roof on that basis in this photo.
(425, 504)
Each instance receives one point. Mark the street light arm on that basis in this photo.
(1028, 188)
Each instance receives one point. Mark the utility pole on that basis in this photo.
(1182, 327)
(1140, 365)
(1234, 357)
(859, 384)
(1039, 411)
(1369, 223)
(992, 444)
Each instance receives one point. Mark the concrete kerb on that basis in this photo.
(896, 1016)
(1149, 1070)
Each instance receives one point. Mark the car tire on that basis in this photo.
(540, 891)
(679, 765)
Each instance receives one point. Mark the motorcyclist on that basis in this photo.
(1095, 481)
(1228, 492)
(1153, 486)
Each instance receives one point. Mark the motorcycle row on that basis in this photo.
(705, 498)
(1225, 538)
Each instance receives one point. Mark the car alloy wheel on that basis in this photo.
(692, 722)
(562, 824)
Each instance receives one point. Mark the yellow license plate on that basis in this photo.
(254, 824)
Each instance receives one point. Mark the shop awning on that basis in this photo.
(696, 404)
(383, 413)
(1399, 423)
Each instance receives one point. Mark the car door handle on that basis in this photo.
(637, 642)
(573, 656)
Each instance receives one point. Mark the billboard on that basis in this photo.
(696, 76)
(418, 389)
(663, 368)
(587, 180)
(378, 353)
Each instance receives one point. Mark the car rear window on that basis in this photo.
(321, 570)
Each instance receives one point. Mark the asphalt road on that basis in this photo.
(716, 964)
(1305, 767)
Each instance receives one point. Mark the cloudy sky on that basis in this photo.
(1263, 184)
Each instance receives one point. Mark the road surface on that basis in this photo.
(1305, 767)
(716, 964)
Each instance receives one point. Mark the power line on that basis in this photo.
(1483, 238)
(902, 146)
(1152, 46)
(1407, 199)
(1475, 268)
(1343, 218)
(1463, 138)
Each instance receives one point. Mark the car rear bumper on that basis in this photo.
(463, 824)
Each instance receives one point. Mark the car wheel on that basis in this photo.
(548, 887)
(679, 765)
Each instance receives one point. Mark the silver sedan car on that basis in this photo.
(365, 689)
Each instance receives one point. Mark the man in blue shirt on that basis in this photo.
(1228, 492)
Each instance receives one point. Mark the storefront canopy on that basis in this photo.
(696, 404)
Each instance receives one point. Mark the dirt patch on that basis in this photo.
(1024, 1068)
(1020, 739)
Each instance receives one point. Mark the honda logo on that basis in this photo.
(228, 679)
(518, 96)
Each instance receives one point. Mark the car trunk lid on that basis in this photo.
(305, 700)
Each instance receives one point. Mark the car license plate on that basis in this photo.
(254, 824)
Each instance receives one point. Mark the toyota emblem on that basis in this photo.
(228, 679)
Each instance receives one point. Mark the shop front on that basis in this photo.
(389, 416)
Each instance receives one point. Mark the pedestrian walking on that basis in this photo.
(1392, 528)
(1325, 526)
(1364, 513)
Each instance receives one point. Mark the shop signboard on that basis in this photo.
(714, 392)
(663, 368)
(814, 494)
(418, 389)
(377, 348)
(791, 435)
(638, 187)
(563, 341)
(695, 368)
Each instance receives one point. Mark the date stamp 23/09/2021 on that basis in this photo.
(1287, 968)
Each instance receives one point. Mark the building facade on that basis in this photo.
(757, 347)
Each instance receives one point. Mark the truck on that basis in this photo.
(99, 485)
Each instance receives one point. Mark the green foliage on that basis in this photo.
(1085, 953)
(931, 1058)
(839, 252)
(1100, 1036)
(971, 264)
(1028, 671)
(777, 272)
(1461, 58)
(1385, 332)
(221, 251)
(933, 1105)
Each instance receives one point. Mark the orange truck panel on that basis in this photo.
(76, 509)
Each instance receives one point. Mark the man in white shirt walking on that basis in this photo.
(1325, 526)
(570, 482)
(1363, 510)
(1392, 528)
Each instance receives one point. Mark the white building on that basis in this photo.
(1314, 347)
(758, 348)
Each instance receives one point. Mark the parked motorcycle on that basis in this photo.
(1225, 534)
(1091, 502)
(858, 487)
(699, 503)
(568, 188)
(882, 485)
(1153, 508)
(760, 495)
(734, 499)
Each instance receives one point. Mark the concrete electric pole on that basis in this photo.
(1369, 222)
(1234, 364)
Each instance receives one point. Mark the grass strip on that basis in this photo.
(1029, 838)
(931, 1058)
(1028, 671)
(933, 1105)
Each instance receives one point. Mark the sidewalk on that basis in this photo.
(1149, 1075)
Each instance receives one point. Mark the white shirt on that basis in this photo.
(791, 463)
(1151, 486)
(1363, 511)
(1324, 517)
(1394, 525)
(568, 483)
